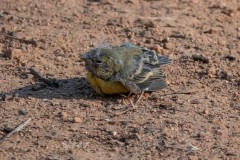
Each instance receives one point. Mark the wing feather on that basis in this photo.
(147, 75)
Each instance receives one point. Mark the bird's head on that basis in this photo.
(100, 62)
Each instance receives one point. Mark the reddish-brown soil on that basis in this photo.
(200, 121)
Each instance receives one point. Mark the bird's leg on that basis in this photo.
(128, 98)
(139, 97)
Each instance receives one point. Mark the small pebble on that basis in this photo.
(22, 112)
(230, 58)
(224, 75)
(168, 45)
(13, 53)
(77, 120)
(236, 106)
(6, 97)
(150, 24)
(212, 71)
(194, 101)
(205, 111)
(153, 96)
(63, 115)
(200, 57)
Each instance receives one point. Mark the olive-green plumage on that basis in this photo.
(131, 67)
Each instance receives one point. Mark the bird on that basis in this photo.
(125, 69)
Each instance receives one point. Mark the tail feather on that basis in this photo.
(164, 60)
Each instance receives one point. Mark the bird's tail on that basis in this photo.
(164, 60)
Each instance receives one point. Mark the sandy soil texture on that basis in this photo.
(197, 117)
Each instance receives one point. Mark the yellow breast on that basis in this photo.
(106, 87)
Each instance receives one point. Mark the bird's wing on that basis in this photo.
(149, 77)
(150, 81)
(143, 70)
(133, 87)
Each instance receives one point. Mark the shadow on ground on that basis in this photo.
(73, 88)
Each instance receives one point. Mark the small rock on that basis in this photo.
(153, 96)
(238, 35)
(230, 58)
(168, 45)
(184, 58)
(13, 53)
(224, 75)
(150, 24)
(6, 97)
(228, 11)
(157, 48)
(194, 101)
(201, 58)
(23, 76)
(236, 106)
(22, 112)
(177, 34)
(202, 72)
(63, 115)
(77, 120)
(212, 71)
(149, 41)
(135, 2)
(7, 129)
(111, 22)
(222, 42)
(205, 111)
(237, 82)
(212, 31)
(166, 40)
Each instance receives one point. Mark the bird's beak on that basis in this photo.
(84, 57)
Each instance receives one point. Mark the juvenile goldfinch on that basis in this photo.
(125, 69)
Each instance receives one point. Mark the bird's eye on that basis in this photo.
(98, 62)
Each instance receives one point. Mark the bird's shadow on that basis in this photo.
(73, 88)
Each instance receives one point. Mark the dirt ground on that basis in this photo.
(196, 117)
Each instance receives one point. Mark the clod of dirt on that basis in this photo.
(149, 41)
(230, 58)
(236, 106)
(212, 71)
(6, 97)
(205, 111)
(194, 101)
(224, 75)
(238, 36)
(77, 120)
(212, 31)
(200, 57)
(13, 53)
(168, 45)
(63, 115)
(153, 96)
(184, 58)
(157, 48)
(228, 11)
(237, 81)
(135, 2)
(202, 73)
(150, 24)
(22, 112)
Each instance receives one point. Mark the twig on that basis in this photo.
(140, 97)
(177, 93)
(49, 82)
(31, 41)
(132, 104)
(20, 127)
(129, 108)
